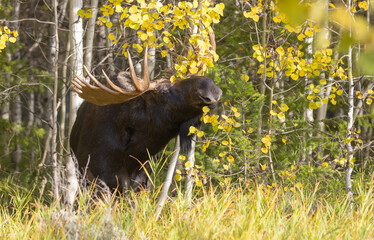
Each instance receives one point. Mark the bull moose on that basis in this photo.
(120, 126)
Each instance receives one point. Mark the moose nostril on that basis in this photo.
(207, 99)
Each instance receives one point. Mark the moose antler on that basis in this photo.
(102, 95)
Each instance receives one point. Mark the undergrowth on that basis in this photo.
(252, 212)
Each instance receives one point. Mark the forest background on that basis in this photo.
(296, 117)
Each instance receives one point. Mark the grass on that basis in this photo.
(252, 212)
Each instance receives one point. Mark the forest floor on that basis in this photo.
(226, 212)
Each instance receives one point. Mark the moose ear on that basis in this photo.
(185, 139)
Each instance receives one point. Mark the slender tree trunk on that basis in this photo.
(112, 69)
(189, 178)
(16, 106)
(5, 108)
(90, 34)
(54, 61)
(151, 62)
(31, 121)
(169, 178)
(307, 151)
(64, 144)
(350, 120)
(349, 163)
(270, 129)
(76, 28)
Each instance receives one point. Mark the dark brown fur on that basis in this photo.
(112, 137)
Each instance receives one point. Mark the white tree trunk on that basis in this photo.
(54, 69)
(190, 179)
(90, 34)
(76, 29)
(350, 121)
(169, 178)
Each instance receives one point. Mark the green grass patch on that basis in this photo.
(252, 212)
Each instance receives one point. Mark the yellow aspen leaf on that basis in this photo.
(273, 113)
(164, 53)
(200, 134)
(294, 76)
(244, 78)
(108, 24)
(166, 39)
(222, 154)
(206, 109)
(299, 185)
(322, 81)
(263, 167)
(284, 141)
(333, 101)
(309, 32)
(134, 17)
(178, 177)
(280, 51)
(312, 105)
(12, 39)
(331, 5)
(369, 101)
(198, 182)
(88, 14)
(311, 97)
(225, 143)
(4, 38)
(133, 9)
(370, 91)
(301, 37)
(206, 145)
(284, 107)
(325, 100)
(170, 45)
(119, 9)
(264, 149)
(111, 36)
(325, 164)
(143, 36)
(339, 92)
(359, 95)
(316, 90)
(193, 70)
(274, 101)
(363, 5)
(80, 13)
(183, 69)
(225, 167)
(316, 72)
(192, 130)
(281, 116)
(230, 158)
(182, 157)
(188, 164)
(15, 34)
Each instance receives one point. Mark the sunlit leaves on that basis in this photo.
(148, 17)
(6, 35)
